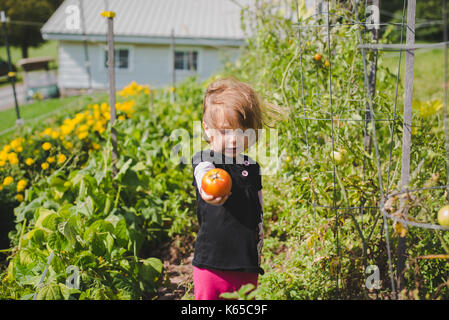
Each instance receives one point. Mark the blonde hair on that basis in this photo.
(239, 104)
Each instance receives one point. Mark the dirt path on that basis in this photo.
(177, 257)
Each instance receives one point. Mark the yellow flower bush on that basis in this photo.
(21, 185)
(133, 89)
(50, 146)
(8, 180)
(427, 108)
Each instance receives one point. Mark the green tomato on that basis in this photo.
(443, 216)
(340, 156)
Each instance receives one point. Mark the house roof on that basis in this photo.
(149, 21)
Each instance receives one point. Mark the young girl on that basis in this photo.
(230, 239)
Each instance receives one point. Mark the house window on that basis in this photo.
(121, 57)
(186, 60)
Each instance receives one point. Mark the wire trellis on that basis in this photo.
(367, 107)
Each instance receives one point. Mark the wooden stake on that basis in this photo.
(111, 67)
(173, 68)
(406, 129)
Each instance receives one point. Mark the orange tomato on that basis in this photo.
(317, 57)
(217, 182)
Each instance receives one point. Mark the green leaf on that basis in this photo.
(86, 207)
(123, 169)
(109, 243)
(139, 166)
(26, 257)
(41, 214)
(29, 210)
(53, 291)
(121, 233)
(87, 260)
(97, 244)
(149, 272)
(69, 229)
(56, 241)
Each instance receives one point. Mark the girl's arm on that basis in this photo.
(201, 169)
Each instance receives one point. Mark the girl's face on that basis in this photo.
(227, 140)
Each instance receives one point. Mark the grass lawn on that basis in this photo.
(428, 73)
(43, 111)
(47, 49)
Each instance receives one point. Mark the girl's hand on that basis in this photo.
(218, 201)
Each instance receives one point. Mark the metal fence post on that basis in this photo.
(11, 73)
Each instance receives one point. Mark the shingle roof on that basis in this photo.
(208, 19)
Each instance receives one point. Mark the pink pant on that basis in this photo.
(209, 284)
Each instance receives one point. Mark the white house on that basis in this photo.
(207, 33)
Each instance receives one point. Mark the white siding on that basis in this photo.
(149, 64)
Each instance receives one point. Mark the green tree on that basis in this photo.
(26, 19)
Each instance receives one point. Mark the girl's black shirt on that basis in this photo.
(230, 235)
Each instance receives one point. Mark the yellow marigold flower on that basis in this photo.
(61, 158)
(98, 127)
(46, 132)
(15, 144)
(19, 197)
(29, 162)
(83, 127)
(7, 148)
(8, 180)
(12, 158)
(66, 129)
(121, 117)
(55, 134)
(68, 145)
(12, 155)
(97, 114)
(21, 185)
(95, 145)
(45, 166)
(83, 135)
(104, 107)
(19, 149)
(2, 163)
(51, 159)
(46, 146)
